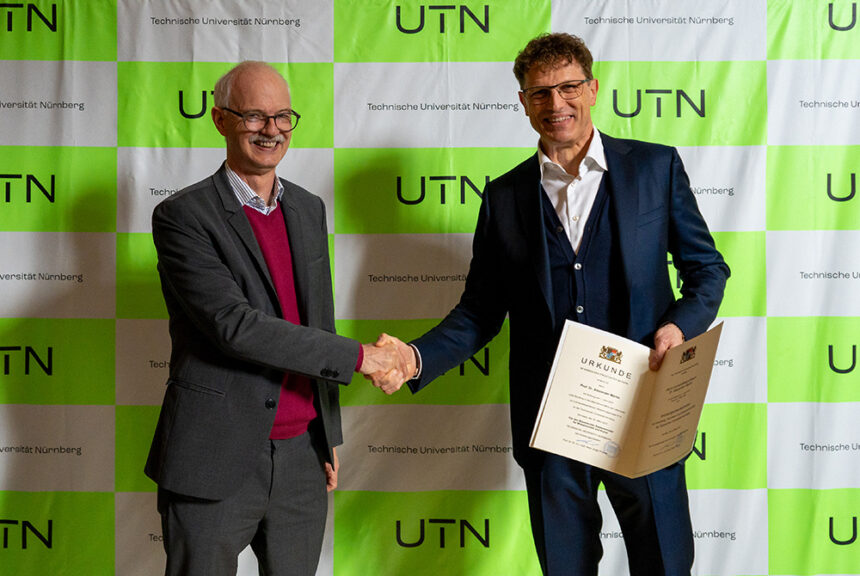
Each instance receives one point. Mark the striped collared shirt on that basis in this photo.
(248, 197)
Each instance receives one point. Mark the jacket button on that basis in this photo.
(333, 373)
(270, 403)
(325, 372)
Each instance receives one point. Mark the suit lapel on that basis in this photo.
(298, 240)
(237, 219)
(622, 185)
(529, 209)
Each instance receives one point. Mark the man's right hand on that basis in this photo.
(388, 363)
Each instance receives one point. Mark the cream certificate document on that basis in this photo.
(604, 407)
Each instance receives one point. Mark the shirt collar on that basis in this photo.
(247, 197)
(595, 158)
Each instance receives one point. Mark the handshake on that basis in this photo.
(388, 363)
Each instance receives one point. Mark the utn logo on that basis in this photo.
(465, 16)
(10, 527)
(464, 528)
(654, 98)
(842, 27)
(701, 453)
(836, 198)
(30, 361)
(15, 12)
(844, 541)
(203, 104)
(464, 184)
(31, 184)
(842, 369)
(483, 369)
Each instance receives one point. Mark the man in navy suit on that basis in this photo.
(581, 230)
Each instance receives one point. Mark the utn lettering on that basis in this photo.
(841, 198)
(464, 183)
(29, 354)
(30, 182)
(464, 13)
(12, 10)
(841, 370)
(702, 454)
(26, 526)
(443, 523)
(844, 541)
(203, 104)
(485, 369)
(680, 97)
(842, 28)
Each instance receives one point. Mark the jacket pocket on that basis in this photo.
(195, 387)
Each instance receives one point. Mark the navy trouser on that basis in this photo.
(653, 511)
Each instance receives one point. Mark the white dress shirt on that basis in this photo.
(573, 196)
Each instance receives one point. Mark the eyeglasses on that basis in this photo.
(255, 120)
(569, 90)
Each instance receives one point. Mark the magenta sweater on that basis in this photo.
(296, 404)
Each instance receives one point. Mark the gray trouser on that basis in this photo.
(280, 511)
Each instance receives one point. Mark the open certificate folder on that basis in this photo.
(604, 407)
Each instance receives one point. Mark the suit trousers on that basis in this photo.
(280, 511)
(653, 512)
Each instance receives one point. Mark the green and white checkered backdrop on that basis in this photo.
(408, 108)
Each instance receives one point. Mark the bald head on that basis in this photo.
(245, 74)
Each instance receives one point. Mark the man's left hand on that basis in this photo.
(331, 472)
(667, 336)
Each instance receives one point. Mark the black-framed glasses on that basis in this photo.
(569, 90)
(254, 120)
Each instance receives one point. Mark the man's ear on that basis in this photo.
(218, 119)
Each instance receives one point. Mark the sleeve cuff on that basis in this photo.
(360, 360)
(418, 363)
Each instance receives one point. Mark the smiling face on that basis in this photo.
(254, 153)
(564, 126)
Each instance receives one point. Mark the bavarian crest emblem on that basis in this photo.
(611, 354)
(688, 354)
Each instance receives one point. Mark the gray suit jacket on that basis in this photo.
(230, 345)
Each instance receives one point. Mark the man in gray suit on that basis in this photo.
(244, 448)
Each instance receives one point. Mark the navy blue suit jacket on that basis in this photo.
(656, 215)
